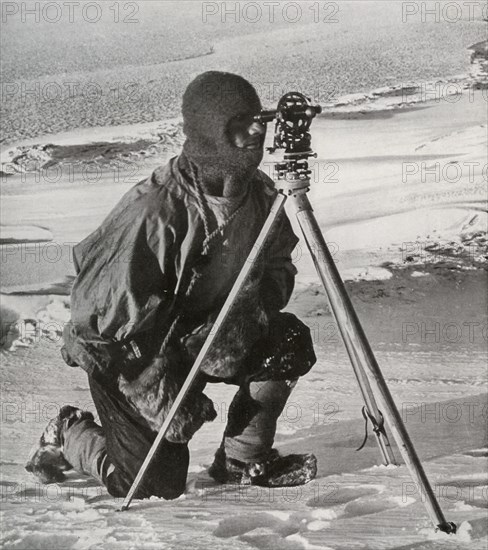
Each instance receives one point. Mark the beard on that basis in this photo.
(220, 162)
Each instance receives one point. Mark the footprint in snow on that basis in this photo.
(476, 480)
(366, 507)
(335, 495)
(242, 524)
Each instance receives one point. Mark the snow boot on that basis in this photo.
(274, 471)
(47, 461)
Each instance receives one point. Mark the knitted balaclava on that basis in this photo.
(210, 101)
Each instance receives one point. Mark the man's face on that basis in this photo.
(245, 133)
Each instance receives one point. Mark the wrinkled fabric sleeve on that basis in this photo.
(160, 237)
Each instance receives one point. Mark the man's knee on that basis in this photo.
(286, 353)
(118, 488)
(271, 393)
(164, 478)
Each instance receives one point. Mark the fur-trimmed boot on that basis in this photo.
(274, 471)
(47, 461)
(246, 455)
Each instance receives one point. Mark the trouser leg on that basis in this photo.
(253, 414)
(115, 452)
(275, 364)
(85, 449)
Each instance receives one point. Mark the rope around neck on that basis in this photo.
(210, 237)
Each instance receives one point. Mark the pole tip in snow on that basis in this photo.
(448, 527)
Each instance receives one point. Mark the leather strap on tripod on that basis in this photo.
(378, 426)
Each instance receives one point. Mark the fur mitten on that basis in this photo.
(246, 324)
(286, 353)
(153, 392)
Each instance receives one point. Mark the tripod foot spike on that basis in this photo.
(448, 527)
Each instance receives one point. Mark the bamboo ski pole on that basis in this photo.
(275, 211)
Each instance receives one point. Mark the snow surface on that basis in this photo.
(438, 381)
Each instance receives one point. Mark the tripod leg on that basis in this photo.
(268, 226)
(374, 414)
(361, 355)
(352, 333)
